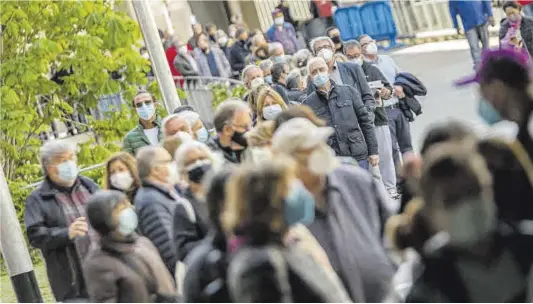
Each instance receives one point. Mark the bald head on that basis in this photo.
(175, 123)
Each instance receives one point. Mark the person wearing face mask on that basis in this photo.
(239, 51)
(295, 87)
(148, 131)
(125, 267)
(342, 108)
(283, 32)
(175, 123)
(264, 203)
(516, 30)
(157, 200)
(224, 42)
(211, 60)
(259, 141)
(276, 53)
(194, 161)
(472, 257)
(252, 76)
(269, 104)
(279, 75)
(185, 63)
(346, 73)
(335, 35)
(197, 29)
(232, 119)
(348, 215)
(121, 174)
(198, 130)
(56, 221)
(266, 67)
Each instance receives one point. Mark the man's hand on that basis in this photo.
(385, 93)
(78, 228)
(373, 160)
(398, 92)
(491, 21)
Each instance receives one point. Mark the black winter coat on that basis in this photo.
(282, 91)
(353, 122)
(373, 73)
(412, 87)
(188, 233)
(47, 230)
(296, 95)
(237, 57)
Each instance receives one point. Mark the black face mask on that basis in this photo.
(336, 39)
(238, 138)
(196, 174)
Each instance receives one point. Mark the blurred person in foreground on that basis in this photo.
(302, 111)
(269, 104)
(516, 30)
(342, 108)
(259, 142)
(171, 144)
(56, 220)
(349, 212)
(148, 131)
(282, 32)
(264, 203)
(232, 119)
(121, 174)
(382, 89)
(295, 87)
(205, 280)
(211, 60)
(125, 267)
(472, 256)
(279, 80)
(157, 200)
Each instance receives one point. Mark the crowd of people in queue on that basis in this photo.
(295, 195)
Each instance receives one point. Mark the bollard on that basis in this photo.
(14, 249)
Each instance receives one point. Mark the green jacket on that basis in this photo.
(136, 139)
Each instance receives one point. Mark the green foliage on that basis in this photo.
(39, 38)
(222, 92)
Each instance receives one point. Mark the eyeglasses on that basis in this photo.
(146, 102)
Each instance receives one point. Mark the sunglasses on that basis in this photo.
(146, 102)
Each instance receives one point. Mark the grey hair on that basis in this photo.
(185, 148)
(146, 157)
(226, 110)
(312, 61)
(190, 117)
(52, 148)
(247, 69)
(273, 46)
(350, 44)
(266, 64)
(293, 79)
(170, 118)
(317, 39)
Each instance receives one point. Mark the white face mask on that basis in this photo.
(279, 21)
(322, 160)
(127, 221)
(173, 175)
(67, 171)
(358, 61)
(371, 48)
(254, 84)
(271, 112)
(183, 50)
(326, 54)
(223, 41)
(121, 180)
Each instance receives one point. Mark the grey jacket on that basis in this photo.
(353, 122)
(224, 68)
(185, 66)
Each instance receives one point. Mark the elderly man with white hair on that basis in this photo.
(56, 220)
(341, 107)
(277, 53)
(198, 130)
(175, 123)
(348, 212)
(347, 73)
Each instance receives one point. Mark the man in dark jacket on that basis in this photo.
(233, 118)
(342, 108)
(156, 201)
(295, 88)
(185, 63)
(383, 88)
(239, 52)
(279, 74)
(55, 220)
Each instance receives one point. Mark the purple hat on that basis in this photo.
(520, 56)
(277, 11)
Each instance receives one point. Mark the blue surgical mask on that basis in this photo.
(299, 205)
(268, 79)
(127, 221)
(202, 135)
(278, 59)
(321, 79)
(146, 111)
(271, 112)
(488, 112)
(67, 171)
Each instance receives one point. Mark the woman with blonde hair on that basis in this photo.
(265, 201)
(259, 140)
(121, 174)
(269, 104)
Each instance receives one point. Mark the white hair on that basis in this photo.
(187, 147)
(274, 46)
(170, 118)
(190, 117)
(266, 64)
(317, 39)
(247, 69)
(53, 148)
(313, 61)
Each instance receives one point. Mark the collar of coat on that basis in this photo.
(330, 93)
(48, 188)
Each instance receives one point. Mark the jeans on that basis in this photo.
(386, 160)
(364, 164)
(474, 36)
(400, 133)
